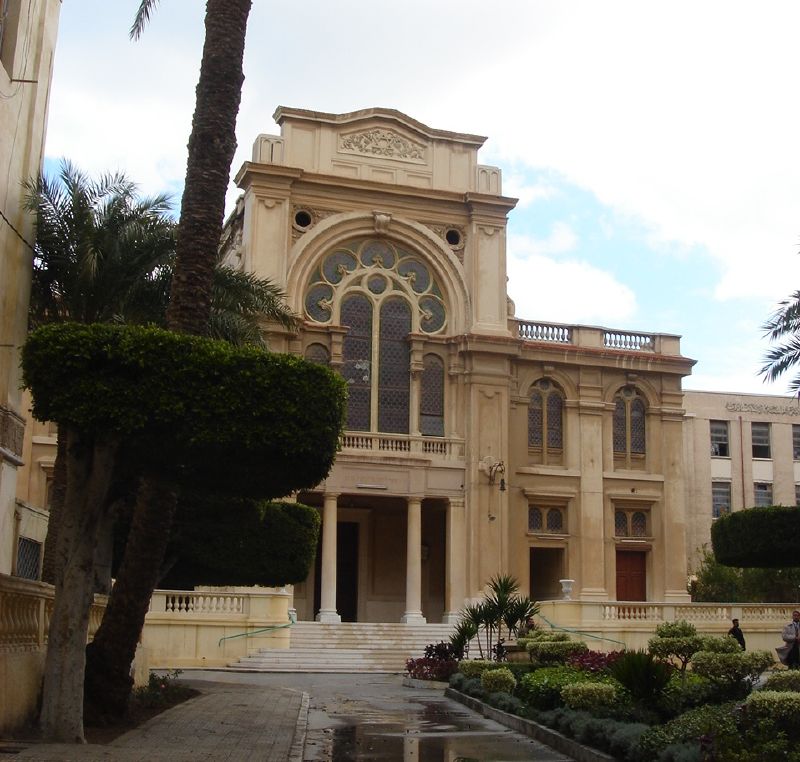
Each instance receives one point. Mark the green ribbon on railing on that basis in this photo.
(292, 620)
(579, 632)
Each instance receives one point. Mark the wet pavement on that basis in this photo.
(375, 717)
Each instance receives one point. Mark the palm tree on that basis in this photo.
(783, 326)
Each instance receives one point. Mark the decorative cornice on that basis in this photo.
(382, 142)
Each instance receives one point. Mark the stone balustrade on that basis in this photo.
(442, 448)
(595, 337)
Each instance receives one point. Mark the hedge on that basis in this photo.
(757, 537)
(498, 680)
(194, 410)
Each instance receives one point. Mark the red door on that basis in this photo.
(631, 575)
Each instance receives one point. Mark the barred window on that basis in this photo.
(394, 367)
(318, 353)
(761, 441)
(629, 433)
(431, 403)
(546, 422)
(29, 553)
(620, 524)
(357, 360)
(534, 519)
(551, 519)
(555, 520)
(720, 499)
(763, 494)
(720, 447)
(631, 522)
(639, 524)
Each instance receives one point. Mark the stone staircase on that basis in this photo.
(346, 647)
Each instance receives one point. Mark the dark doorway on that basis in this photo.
(346, 571)
(631, 575)
(546, 569)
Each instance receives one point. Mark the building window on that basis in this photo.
(720, 499)
(381, 293)
(796, 441)
(550, 519)
(629, 429)
(719, 439)
(631, 522)
(759, 433)
(763, 494)
(318, 353)
(546, 422)
(29, 554)
(431, 398)
(797, 495)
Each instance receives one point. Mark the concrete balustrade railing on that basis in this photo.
(443, 448)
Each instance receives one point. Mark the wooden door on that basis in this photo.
(631, 575)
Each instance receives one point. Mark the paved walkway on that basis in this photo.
(227, 722)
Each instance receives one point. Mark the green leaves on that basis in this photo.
(758, 537)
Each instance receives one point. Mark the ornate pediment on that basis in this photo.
(384, 143)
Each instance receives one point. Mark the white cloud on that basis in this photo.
(560, 240)
(567, 292)
(516, 186)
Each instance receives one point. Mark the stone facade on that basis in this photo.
(477, 443)
(27, 42)
(744, 450)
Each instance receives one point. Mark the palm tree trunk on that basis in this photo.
(51, 568)
(211, 148)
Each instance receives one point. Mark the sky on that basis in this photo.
(653, 145)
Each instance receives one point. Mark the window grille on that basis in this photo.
(629, 429)
(720, 447)
(620, 524)
(29, 554)
(763, 494)
(546, 421)
(759, 433)
(394, 371)
(555, 520)
(795, 441)
(356, 358)
(534, 519)
(535, 420)
(720, 499)
(639, 524)
(431, 404)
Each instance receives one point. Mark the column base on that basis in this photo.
(328, 616)
(413, 617)
(451, 617)
(677, 596)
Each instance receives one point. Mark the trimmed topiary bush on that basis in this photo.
(762, 537)
(684, 691)
(677, 641)
(732, 672)
(555, 652)
(475, 667)
(781, 707)
(542, 688)
(498, 680)
(723, 645)
(589, 696)
(784, 680)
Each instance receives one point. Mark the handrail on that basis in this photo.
(580, 632)
(292, 621)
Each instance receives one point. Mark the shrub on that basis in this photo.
(519, 669)
(685, 690)
(675, 640)
(642, 675)
(589, 696)
(782, 707)
(431, 669)
(498, 680)
(542, 688)
(472, 687)
(554, 651)
(475, 667)
(457, 680)
(785, 680)
(550, 635)
(506, 703)
(593, 661)
(729, 671)
(724, 645)
(709, 720)
(757, 537)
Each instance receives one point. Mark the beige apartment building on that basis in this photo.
(27, 42)
(744, 450)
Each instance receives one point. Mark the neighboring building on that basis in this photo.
(477, 443)
(27, 42)
(744, 450)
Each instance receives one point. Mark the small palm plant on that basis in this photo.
(643, 675)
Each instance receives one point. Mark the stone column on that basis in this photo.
(455, 554)
(413, 613)
(327, 598)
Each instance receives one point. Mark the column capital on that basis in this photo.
(457, 502)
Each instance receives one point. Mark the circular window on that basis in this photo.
(453, 237)
(303, 219)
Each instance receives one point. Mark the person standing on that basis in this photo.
(789, 652)
(736, 632)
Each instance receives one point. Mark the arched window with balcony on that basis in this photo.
(381, 293)
(546, 423)
(629, 433)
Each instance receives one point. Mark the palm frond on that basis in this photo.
(146, 8)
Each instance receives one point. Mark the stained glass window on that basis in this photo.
(431, 403)
(620, 426)
(637, 426)
(318, 353)
(546, 422)
(630, 434)
(535, 420)
(555, 404)
(356, 360)
(394, 375)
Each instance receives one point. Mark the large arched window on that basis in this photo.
(381, 293)
(546, 423)
(629, 429)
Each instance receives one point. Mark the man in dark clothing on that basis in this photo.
(736, 632)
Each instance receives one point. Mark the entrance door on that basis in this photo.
(631, 575)
(546, 569)
(346, 571)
